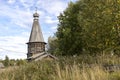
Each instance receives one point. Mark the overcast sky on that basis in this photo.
(16, 17)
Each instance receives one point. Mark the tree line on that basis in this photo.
(12, 62)
(87, 27)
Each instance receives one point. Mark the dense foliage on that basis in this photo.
(89, 26)
(12, 62)
(100, 21)
(53, 45)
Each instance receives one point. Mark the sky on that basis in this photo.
(16, 18)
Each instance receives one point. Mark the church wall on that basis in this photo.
(35, 48)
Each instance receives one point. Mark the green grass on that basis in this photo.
(66, 68)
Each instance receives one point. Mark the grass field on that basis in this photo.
(66, 68)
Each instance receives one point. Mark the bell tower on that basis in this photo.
(36, 44)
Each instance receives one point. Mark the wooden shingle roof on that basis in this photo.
(41, 56)
(36, 32)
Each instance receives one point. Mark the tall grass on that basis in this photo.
(76, 73)
(67, 68)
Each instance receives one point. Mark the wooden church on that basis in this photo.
(36, 44)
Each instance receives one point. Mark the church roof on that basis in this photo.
(42, 55)
(36, 33)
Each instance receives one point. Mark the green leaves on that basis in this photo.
(69, 30)
(98, 22)
(91, 26)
